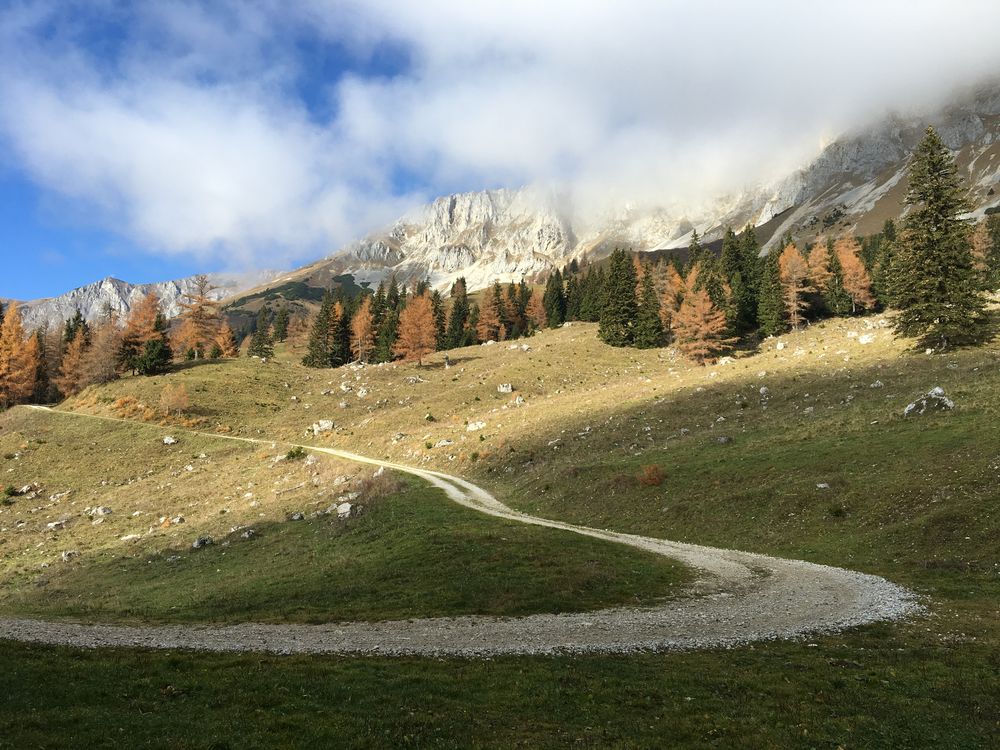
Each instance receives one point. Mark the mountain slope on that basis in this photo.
(93, 300)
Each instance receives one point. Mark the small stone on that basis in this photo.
(248, 534)
(505, 388)
(311, 460)
(130, 538)
(866, 338)
(723, 440)
(877, 384)
(189, 467)
(323, 425)
(344, 510)
(475, 426)
(99, 510)
(780, 346)
(69, 554)
(296, 516)
(60, 524)
(201, 542)
(443, 443)
(170, 440)
(822, 486)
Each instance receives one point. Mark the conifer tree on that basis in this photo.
(261, 343)
(19, 360)
(199, 318)
(935, 283)
(573, 298)
(363, 331)
(387, 334)
(673, 295)
(819, 265)
(440, 321)
(699, 326)
(144, 323)
(378, 305)
(883, 263)
(731, 258)
(281, 324)
(992, 273)
(225, 341)
(69, 378)
(100, 361)
(794, 283)
(536, 311)
(488, 326)
(696, 253)
(857, 284)
(416, 329)
(648, 327)
(619, 308)
(74, 324)
(458, 320)
(554, 300)
(318, 348)
(771, 303)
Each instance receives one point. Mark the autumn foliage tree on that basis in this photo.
(857, 283)
(699, 326)
(794, 283)
(144, 348)
(488, 326)
(69, 379)
(199, 319)
(416, 337)
(225, 341)
(19, 360)
(363, 331)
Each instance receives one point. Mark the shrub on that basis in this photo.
(296, 454)
(174, 399)
(650, 476)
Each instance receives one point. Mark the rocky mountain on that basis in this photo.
(853, 185)
(93, 300)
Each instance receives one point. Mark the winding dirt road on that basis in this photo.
(740, 597)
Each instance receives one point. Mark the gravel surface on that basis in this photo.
(740, 598)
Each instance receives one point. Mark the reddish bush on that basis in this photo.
(650, 476)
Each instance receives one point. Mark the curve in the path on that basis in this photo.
(743, 597)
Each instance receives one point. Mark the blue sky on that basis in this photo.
(158, 139)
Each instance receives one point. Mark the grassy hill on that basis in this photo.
(821, 465)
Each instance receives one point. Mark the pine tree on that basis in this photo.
(440, 321)
(835, 295)
(281, 324)
(458, 320)
(554, 300)
(74, 324)
(378, 305)
(696, 253)
(363, 331)
(731, 258)
(883, 264)
(261, 343)
(771, 302)
(573, 298)
(648, 327)
(19, 360)
(794, 283)
(935, 283)
(699, 326)
(416, 330)
(992, 274)
(318, 348)
(387, 333)
(619, 308)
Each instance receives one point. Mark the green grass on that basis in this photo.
(903, 497)
(410, 552)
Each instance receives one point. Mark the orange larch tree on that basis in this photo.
(19, 360)
(70, 375)
(699, 327)
(674, 289)
(144, 324)
(819, 265)
(417, 335)
(857, 283)
(794, 283)
(225, 340)
(363, 331)
(536, 310)
(488, 328)
(200, 319)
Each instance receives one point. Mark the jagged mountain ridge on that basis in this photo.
(852, 186)
(93, 300)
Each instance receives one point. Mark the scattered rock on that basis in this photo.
(170, 440)
(323, 425)
(726, 361)
(866, 338)
(311, 460)
(344, 510)
(379, 472)
(362, 392)
(69, 554)
(877, 384)
(934, 399)
(723, 440)
(342, 479)
(55, 525)
(780, 346)
(130, 538)
(189, 467)
(296, 516)
(822, 486)
(519, 401)
(202, 541)
(443, 443)
(505, 388)
(475, 426)
(98, 510)
(248, 534)
(177, 519)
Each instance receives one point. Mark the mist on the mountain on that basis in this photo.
(206, 131)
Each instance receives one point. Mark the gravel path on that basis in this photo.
(740, 598)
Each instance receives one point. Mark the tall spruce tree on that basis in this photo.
(440, 321)
(771, 303)
(837, 300)
(648, 325)
(281, 324)
(261, 343)
(554, 300)
(936, 286)
(458, 320)
(619, 307)
(318, 351)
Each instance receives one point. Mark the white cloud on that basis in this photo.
(190, 136)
